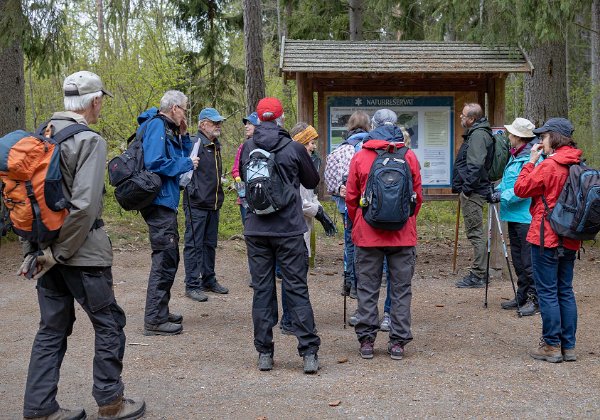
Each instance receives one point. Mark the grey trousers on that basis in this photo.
(472, 208)
(369, 265)
(57, 290)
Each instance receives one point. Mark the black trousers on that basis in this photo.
(164, 241)
(520, 252)
(57, 290)
(199, 251)
(292, 256)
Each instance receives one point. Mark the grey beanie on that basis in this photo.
(384, 117)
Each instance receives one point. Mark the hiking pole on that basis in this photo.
(489, 250)
(456, 238)
(345, 297)
(506, 257)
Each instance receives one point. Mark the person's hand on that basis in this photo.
(493, 197)
(536, 152)
(45, 262)
(326, 222)
(195, 161)
(28, 266)
(183, 127)
(465, 196)
(343, 191)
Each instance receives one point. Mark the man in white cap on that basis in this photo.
(77, 266)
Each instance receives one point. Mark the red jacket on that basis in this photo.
(547, 179)
(364, 234)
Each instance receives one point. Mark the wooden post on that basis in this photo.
(305, 98)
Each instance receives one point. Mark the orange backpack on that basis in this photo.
(31, 182)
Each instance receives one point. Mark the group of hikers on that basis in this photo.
(374, 178)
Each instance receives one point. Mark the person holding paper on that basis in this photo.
(202, 200)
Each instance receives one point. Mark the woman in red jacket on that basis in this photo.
(553, 257)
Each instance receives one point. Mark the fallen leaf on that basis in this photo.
(335, 403)
(439, 306)
(343, 360)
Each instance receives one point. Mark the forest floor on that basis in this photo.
(465, 361)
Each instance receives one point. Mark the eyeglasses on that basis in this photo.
(182, 108)
(216, 122)
(463, 116)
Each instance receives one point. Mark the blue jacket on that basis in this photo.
(513, 208)
(165, 153)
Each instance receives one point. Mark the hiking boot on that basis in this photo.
(353, 319)
(63, 414)
(366, 349)
(547, 352)
(470, 281)
(166, 328)
(569, 355)
(311, 363)
(511, 304)
(216, 288)
(197, 295)
(122, 408)
(265, 361)
(352, 294)
(396, 351)
(530, 308)
(175, 318)
(385, 322)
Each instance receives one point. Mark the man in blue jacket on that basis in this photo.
(202, 201)
(167, 147)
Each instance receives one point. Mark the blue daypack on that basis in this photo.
(389, 199)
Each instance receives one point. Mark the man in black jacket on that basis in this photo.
(201, 203)
(279, 236)
(471, 180)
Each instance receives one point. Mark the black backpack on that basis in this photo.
(135, 187)
(389, 199)
(266, 188)
(500, 156)
(576, 214)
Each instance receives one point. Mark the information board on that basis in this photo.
(431, 119)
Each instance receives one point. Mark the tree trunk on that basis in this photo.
(100, 25)
(355, 11)
(546, 89)
(12, 88)
(595, 38)
(253, 44)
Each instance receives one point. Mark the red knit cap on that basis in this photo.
(269, 109)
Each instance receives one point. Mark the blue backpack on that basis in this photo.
(389, 199)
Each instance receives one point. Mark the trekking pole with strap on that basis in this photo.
(489, 250)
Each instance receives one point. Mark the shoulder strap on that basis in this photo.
(70, 131)
(282, 144)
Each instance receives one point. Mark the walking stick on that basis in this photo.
(345, 297)
(456, 238)
(507, 262)
(489, 248)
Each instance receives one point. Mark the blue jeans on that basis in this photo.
(553, 277)
(349, 250)
(388, 298)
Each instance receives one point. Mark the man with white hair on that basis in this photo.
(77, 266)
(167, 148)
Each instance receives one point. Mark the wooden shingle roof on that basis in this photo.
(399, 57)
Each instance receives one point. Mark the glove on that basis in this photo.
(28, 265)
(493, 197)
(326, 222)
(45, 262)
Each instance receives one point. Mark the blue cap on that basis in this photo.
(210, 114)
(252, 119)
(558, 125)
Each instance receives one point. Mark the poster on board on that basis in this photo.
(431, 119)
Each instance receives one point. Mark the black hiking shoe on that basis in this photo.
(470, 281)
(511, 304)
(311, 363)
(530, 308)
(366, 349)
(62, 414)
(166, 328)
(353, 319)
(216, 288)
(197, 295)
(396, 351)
(122, 408)
(353, 294)
(265, 361)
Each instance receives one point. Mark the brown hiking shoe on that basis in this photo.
(62, 414)
(547, 352)
(569, 355)
(122, 408)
